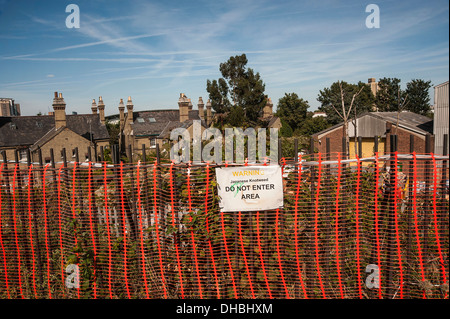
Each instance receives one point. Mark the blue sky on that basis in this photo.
(154, 50)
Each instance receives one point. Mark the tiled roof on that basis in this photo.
(412, 121)
(27, 130)
(158, 122)
(408, 119)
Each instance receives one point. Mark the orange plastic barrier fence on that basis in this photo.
(363, 228)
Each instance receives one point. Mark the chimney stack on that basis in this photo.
(130, 111)
(101, 110)
(268, 109)
(94, 107)
(373, 86)
(183, 104)
(122, 114)
(59, 106)
(201, 112)
(208, 113)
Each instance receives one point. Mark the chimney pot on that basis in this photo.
(59, 107)
(201, 112)
(208, 113)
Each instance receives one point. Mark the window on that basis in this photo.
(140, 120)
(23, 154)
(153, 142)
(151, 120)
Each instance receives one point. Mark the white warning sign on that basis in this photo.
(249, 188)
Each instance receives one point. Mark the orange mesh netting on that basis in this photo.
(363, 228)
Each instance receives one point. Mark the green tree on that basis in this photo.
(217, 91)
(417, 92)
(234, 117)
(390, 97)
(240, 88)
(113, 131)
(292, 110)
(286, 129)
(341, 100)
(313, 125)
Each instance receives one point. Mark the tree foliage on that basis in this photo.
(418, 96)
(313, 125)
(292, 110)
(389, 97)
(239, 89)
(331, 100)
(392, 98)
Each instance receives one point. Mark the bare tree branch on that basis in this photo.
(353, 100)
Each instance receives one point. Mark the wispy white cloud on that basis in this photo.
(294, 45)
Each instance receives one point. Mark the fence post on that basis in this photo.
(391, 215)
(375, 145)
(360, 147)
(77, 157)
(55, 190)
(130, 153)
(19, 184)
(296, 286)
(8, 188)
(311, 283)
(95, 152)
(409, 216)
(132, 207)
(21, 208)
(427, 210)
(158, 159)
(41, 165)
(328, 206)
(444, 165)
(35, 223)
(161, 212)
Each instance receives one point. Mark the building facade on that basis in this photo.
(441, 116)
(9, 108)
(87, 132)
(380, 125)
(153, 127)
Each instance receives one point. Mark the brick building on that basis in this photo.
(380, 125)
(153, 127)
(56, 131)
